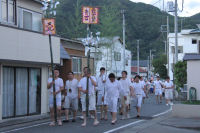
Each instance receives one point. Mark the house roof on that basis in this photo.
(39, 1)
(143, 63)
(196, 31)
(191, 57)
(63, 53)
(134, 69)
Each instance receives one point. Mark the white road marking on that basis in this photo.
(163, 112)
(133, 123)
(17, 129)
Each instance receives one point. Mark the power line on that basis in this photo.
(156, 2)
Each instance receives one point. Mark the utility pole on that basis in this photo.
(124, 38)
(176, 32)
(163, 5)
(150, 63)
(167, 45)
(88, 70)
(148, 68)
(138, 57)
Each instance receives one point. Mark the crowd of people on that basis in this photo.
(104, 91)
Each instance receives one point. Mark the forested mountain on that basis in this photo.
(142, 22)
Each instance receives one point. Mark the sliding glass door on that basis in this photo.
(21, 91)
(34, 91)
(8, 92)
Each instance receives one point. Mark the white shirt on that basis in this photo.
(125, 87)
(142, 82)
(83, 85)
(73, 86)
(158, 84)
(58, 85)
(112, 89)
(138, 88)
(168, 84)
(100, 84)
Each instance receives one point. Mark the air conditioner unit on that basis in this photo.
(170, 6)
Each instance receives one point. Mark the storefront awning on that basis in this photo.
(63, 53)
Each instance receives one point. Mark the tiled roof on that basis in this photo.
(134, 69)
(197, 31)
(63, 53)
(191, 57)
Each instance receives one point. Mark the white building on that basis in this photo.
(193, 71)
(188, 42)
(109, 54)
(24, 59)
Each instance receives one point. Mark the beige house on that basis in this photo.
(24, 59)
(193, 73)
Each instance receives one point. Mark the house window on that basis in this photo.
(96, 55)
(21, 91)
(126, 62)
(8, 11)
(180, 49)
(76, 64)
(117, 56)
(172, 66)
(31, 20)
(194, 41)
(172, 49)
(27, 20)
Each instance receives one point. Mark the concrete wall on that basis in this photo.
(1, 91)
(193, 76)
(184, 40)
(44, 91)
(23, 45)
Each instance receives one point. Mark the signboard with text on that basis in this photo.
(49, 27)
(90, 15)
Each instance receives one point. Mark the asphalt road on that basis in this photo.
(149, 109)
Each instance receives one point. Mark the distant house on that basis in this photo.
(109, 54)
(193, 72)
(73, 58)
(143, 72)
(188, 42)
(24, 59)
(144, 64)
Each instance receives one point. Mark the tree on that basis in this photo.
(159, 65)
(180, 73)
(143, 22)
(110, 24)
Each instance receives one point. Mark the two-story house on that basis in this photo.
(188, 42)
(77, 59)
(109, 54)
(24, 59)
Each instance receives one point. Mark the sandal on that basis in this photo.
(59, 123)
(52, 124)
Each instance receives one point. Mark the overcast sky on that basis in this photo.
(191, 7)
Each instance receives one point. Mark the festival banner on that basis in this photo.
(90, 15)
(49, 27)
